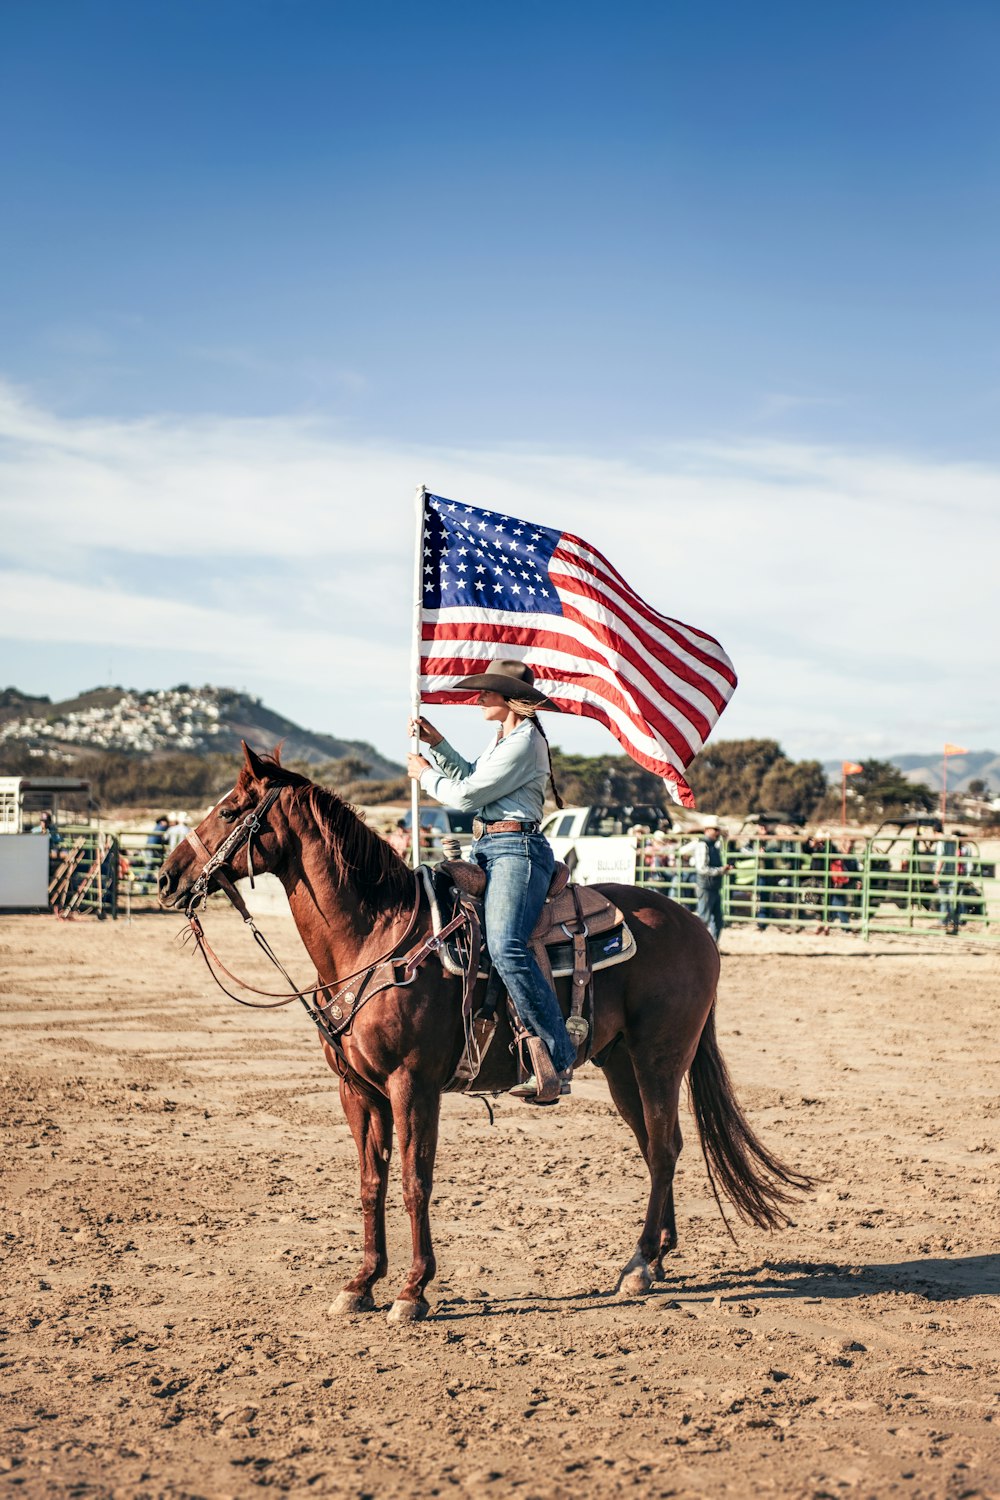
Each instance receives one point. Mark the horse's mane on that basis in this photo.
(359, 857)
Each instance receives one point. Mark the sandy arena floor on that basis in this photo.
(181, 1205)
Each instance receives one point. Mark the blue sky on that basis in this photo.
(718, 281)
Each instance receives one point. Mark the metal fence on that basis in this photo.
(84, 873)
(890, 884)
(99, 874)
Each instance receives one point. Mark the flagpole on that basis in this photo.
(843, 796)
(418, 558)
(847, 768)
(944, 789)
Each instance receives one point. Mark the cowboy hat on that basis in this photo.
(511, 679)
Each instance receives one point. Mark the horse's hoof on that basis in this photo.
(407, 1312)
(351, 1302)
(635, 1279)
(636, 1284)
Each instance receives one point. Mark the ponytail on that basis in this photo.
(525, 710)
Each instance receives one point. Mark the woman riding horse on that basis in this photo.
(505, 788)
(358, 910)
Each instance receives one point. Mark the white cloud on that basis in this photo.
(39, 607)
(852, 589)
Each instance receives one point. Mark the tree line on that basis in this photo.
(728, 777)
(740, 776)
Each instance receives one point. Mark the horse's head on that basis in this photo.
(240, 836)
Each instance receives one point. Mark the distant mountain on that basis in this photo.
(196, 720)
(978, 765)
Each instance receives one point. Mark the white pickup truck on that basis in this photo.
(595, 841)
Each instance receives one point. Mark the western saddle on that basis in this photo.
(579, 930)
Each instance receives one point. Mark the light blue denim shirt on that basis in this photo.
(507, 781)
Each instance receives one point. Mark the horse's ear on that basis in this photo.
(254, 764)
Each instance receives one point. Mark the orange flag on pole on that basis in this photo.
(955, 750)
(851, 768)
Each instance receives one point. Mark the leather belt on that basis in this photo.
(509, 825)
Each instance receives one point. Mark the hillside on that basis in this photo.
(201, 721)
(978, 765)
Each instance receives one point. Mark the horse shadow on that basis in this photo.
(935, 1278)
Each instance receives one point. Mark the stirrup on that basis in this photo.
(546, 1083)
(528, 1089)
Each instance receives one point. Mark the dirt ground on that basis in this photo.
(181, 1206)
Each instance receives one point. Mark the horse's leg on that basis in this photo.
(619, 1072)
(371, 1125)
(624, 1089)
(658, 1085)
(668, 1232)
(416, 1108)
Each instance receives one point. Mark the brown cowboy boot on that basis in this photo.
(543, 1085)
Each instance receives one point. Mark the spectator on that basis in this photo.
(177, 831)
(766, 849)
(399, 838)
(809, 879)
(47, 825)
(843, 881)
(156, 847)
(660, 866)
(639, 834)
(657, 855)
(709, 860)
(950, 868)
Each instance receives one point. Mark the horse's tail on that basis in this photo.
(760, 1187)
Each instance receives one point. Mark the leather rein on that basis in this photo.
(334, 1015)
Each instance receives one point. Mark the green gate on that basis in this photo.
(905, 884)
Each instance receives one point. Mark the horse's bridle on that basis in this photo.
(243, 832)
(329, 1018)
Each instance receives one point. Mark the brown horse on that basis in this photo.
(353, 899)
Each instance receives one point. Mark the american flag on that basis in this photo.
(549, 599)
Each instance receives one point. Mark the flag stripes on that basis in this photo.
(596, 648)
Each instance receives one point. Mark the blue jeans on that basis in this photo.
(949, 906)
(518, 869)
(710, 905)
(838, 908)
